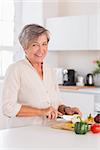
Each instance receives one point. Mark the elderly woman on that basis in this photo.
(30, 94)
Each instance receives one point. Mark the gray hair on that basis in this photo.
(31, 32)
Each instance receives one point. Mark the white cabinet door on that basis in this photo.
(84, 101)
(94, 32)
(68, 33)
(98, 32)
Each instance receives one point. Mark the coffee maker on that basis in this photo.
(69, 77)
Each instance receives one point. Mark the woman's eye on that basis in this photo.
(34, 45)
(45, 44)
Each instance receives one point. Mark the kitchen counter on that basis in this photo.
(81, 89)
(46, 138)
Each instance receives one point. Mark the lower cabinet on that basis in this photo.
(85, 102)
(97, 103)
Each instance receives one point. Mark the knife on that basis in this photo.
(66, 117)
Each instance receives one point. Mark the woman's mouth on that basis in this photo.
(39, 56)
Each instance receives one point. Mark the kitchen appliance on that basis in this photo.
(89, 80)
(69, 77)
(80, 81)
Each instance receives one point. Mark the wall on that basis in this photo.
(50, 8)
(52, 59)
(78, 7)
(81, 61)
(70, 7)
(32, 12)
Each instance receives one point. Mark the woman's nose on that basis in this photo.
(41, 48)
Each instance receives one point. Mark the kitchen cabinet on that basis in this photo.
(98, 32)
(68, 33)
(94, 32)
(74, 33)
(76, 99)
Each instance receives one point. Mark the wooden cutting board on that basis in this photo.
(63, 125)
(74, 87)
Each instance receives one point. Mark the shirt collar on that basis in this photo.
(29, 63)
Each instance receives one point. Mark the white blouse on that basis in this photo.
(23, 86)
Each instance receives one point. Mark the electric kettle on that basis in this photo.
(89, 80)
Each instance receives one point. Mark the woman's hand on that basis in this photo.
(51, 113)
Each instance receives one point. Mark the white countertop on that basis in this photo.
(46, 138)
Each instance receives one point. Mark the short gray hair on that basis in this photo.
(31, 32)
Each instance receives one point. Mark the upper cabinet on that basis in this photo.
(98, 32)
(74, 33)
(94, 32)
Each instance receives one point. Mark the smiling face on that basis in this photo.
(37, 50)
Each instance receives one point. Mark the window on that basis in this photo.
(7, 13)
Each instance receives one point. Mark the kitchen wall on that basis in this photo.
(49, 5)
(81, 61)
(70, 7)
(78, 7)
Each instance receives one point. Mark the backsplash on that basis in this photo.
(81, 61)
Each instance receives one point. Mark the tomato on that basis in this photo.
(95, 128)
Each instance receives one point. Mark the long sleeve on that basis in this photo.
(11, 87)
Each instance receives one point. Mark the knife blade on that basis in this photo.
(66, 117)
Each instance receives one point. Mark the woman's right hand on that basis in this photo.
(51, 113)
